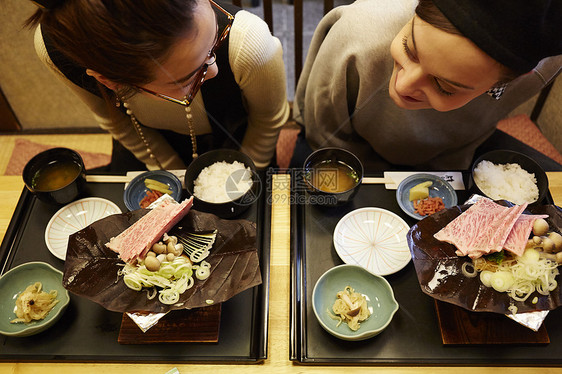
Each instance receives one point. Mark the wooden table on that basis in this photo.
(278, 345)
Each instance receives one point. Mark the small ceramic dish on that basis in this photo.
(439, 188)
(15, 281)
(136, 189)
(74, 217)
(373, 238)
(376, 289)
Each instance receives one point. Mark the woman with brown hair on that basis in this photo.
(144, 68)
(423, 84)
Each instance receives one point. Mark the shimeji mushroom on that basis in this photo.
(540, 227)
(557, 240)
(556, 257)
(172, 245)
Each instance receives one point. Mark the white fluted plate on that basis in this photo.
(74, 217)
(373, 238)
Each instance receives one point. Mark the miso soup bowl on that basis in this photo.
(64, 194)
(237, 205)
(337, 155)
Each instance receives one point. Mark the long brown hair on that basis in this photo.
(120, 39)
(428, 12)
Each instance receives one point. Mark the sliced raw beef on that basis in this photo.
(137, 240)
(481, 229)
(503, 226)
(517, 238)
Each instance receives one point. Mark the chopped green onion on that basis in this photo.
(173, 277)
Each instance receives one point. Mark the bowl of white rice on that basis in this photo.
(223, 182)
(509, 175)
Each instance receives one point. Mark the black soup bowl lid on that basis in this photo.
(228, 209)
(338, 155)
(513, 157)
(65, 194)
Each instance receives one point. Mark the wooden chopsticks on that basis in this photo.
(128, 178)
(376, 180)
(108, 178)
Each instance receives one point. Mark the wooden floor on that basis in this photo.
(95, 143)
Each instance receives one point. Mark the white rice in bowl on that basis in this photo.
(506, 182)
(222, 182)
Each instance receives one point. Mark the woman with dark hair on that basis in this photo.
(403, 83)
(144, 68)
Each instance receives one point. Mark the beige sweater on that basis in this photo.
(256, 59)
(342, 96)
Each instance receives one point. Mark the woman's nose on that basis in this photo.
(410, 78)
(212, 71)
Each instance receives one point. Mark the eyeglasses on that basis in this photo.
(202, 72)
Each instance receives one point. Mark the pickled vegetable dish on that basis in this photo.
(33, 304)
(351, 308)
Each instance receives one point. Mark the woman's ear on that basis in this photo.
(103, 80)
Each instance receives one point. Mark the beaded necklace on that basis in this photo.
(140, 133)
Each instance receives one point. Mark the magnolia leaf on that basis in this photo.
(91, 269)
(439, 268)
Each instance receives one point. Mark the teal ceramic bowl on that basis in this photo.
(380, 300)
(13, 282)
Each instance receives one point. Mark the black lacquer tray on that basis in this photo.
(413, 337)
(87, 332)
